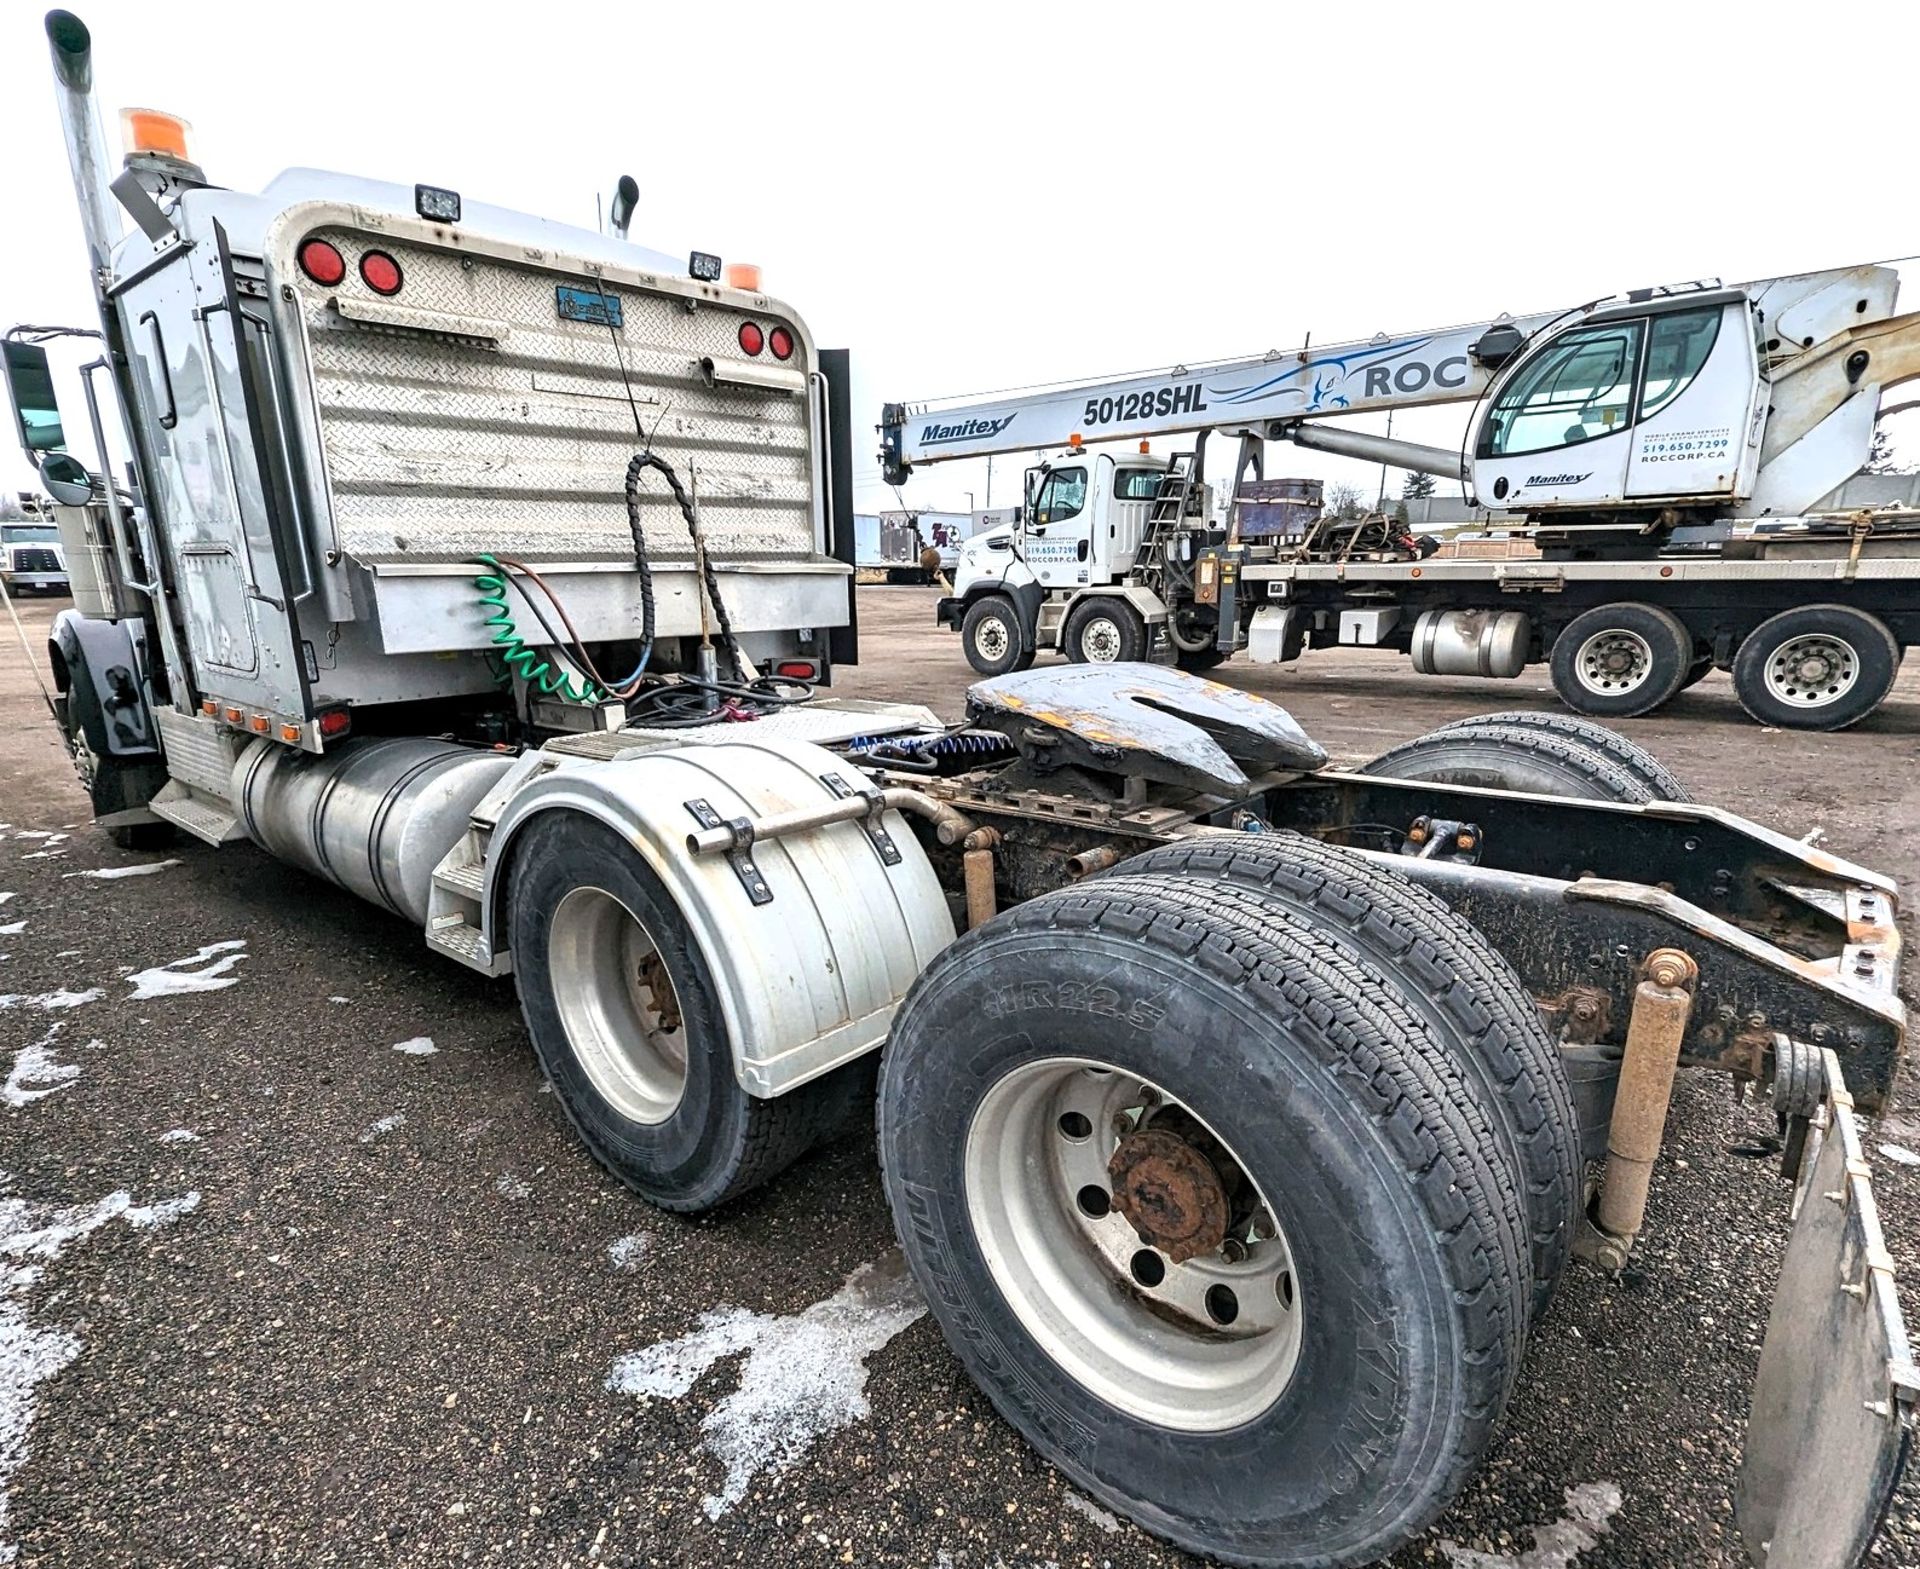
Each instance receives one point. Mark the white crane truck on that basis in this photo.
(1241, 1137)
(1665, 448)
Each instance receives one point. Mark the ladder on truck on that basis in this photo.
(1166, 514)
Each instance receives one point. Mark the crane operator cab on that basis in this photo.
(1633, 403)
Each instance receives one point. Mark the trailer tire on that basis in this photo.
(1401, 1288)
(1617, 661)
(1446, 973)
(1610, 744)
(993, 638)
(1818, 667)
(577, 893)
(1511, 757)
(1104, 630)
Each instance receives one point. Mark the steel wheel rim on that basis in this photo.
(1813, 670)
(1157, 1351)
(607, 974)
(1100, 640)
(990, 637)
(1614, 662)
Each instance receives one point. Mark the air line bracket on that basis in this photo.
(740, 856)
(876, 831)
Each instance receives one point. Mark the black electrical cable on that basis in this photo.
(683, 704)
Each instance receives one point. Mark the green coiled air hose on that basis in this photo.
(513, 650)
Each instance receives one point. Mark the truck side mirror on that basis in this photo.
(66, 479)
(36, 412)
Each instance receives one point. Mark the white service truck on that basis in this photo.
(1237, 1155)
(1667, 448)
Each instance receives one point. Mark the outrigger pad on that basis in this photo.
(1145, 721)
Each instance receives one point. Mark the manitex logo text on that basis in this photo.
(1558, 479)
(966, 430)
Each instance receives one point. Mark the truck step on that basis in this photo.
(467, 944)
(206, 820)
(469, 879)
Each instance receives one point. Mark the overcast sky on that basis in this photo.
(974, 196)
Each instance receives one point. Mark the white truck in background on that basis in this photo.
(490, 570)
(1666, 449)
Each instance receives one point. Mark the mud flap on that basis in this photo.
(1834, 1401)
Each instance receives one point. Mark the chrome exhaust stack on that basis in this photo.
(72, 47)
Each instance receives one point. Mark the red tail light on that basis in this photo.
(798, 669)
(322, 263)
(335, 722)
(380, 272)
(781, 342)
(752, 339)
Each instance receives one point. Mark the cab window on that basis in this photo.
(1677, 346)
(1579, 389)
(1061, 497)
(1136, 484)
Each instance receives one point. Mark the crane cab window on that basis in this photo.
(1136, 484)
(1677, 346)
(1062, 495)
(1580, 388)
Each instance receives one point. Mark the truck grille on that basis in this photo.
(441, 445)
(36, 558)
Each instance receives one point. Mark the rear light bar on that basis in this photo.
(331, 723)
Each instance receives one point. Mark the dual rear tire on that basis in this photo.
(1220, 1202)
(1815, 667)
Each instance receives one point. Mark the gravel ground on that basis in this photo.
(383, 1331)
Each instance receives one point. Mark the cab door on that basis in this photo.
(1559, 433)
(1696, 430)
(1059, 527)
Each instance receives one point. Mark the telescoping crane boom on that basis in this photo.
(1698, 401)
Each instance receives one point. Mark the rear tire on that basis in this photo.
(1104, 630)
(1504, 757)
(993, 638)
(1820, 667)
(1444, 972)
(1621, 660)
(1610, 744)
(1401, 1281)
(626, 1024)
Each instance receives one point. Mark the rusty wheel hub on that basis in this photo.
(1169, 1193)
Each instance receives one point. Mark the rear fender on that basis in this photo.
(811, 964)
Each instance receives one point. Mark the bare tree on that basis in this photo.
(1345, 501)
(1881, 458)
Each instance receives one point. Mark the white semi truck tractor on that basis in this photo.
(1238, 1114)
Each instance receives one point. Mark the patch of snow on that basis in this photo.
(38, 833)
(386, 1125)
(44, 855)
(508, 1186)
(31, 1237)
(4, 897)
(36, 1074)
(339, 999)
(419, 1046)
(804, 1375)
(1590, 1507)
(1086, 1506)
(51, 1000)
(1900, 1155)
(179, 1136)
(626, 1253)
(178, 977)
(13, 928)
(110, 873)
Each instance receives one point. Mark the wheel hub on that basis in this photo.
(1170, 1194)
(1101, 641)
